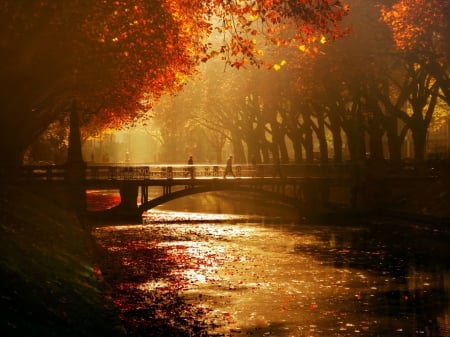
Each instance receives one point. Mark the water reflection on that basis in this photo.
(195, 274)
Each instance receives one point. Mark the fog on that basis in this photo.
(323, 102)
(185, 124)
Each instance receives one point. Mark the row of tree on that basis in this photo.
(389, 77)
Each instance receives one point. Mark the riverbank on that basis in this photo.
(50, 284)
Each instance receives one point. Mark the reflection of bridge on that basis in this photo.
(303, 186)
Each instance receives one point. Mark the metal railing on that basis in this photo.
(177, 171)
(141, 172)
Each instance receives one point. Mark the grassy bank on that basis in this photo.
(50, 285)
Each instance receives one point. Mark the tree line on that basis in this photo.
(367, 91)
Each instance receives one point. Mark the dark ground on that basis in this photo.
(50, 284)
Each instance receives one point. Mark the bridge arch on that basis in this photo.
(291, 201)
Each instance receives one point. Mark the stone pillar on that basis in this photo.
(128, 199)
(75, 167)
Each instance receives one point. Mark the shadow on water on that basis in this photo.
(414, 259)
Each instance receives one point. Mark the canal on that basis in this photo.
(213, 265)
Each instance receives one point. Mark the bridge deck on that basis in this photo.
(158, 173)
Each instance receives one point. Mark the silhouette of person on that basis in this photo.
(229, 167)
(191, 167)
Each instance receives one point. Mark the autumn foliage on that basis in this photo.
(418, 24)
(421, 30)
(117, 57)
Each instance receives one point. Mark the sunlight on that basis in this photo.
(171, 216)
(154, 285)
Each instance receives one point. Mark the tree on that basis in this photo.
(114, 58)
(421, 30)
(53, 53)
(419, 92)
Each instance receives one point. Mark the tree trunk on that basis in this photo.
(323, 145)
(298, 151)
(279, 145)
(308, 139)
(11, 152)
(74, 154)
(335, 128)
(295, 136)
(394, 141)
(238, 148)
(419, 135)
(376, 144)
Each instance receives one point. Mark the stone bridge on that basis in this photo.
(312, 189)
(306, 187)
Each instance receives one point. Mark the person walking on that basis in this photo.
(229, 167)
(191, 167)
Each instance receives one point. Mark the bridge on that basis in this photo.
(142, 187)
(310, 188)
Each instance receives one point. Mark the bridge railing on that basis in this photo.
(41, 172)
(139, 172)
(177, 171)
(168, 171)
(142, 172)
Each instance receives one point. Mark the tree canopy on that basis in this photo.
(421, 29)
(114, 58)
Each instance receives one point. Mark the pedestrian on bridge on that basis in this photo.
(191, 167)
(229, 167)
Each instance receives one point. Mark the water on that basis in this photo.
(232, 272)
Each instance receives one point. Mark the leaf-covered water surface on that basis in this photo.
(179, 277)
